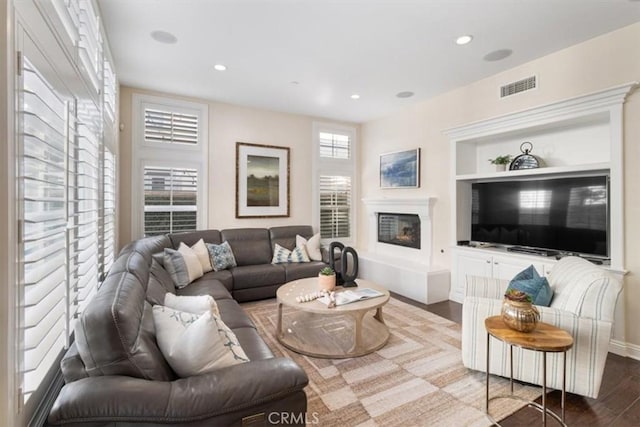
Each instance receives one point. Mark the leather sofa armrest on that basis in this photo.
(109, 398)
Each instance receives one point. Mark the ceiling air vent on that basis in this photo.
(517, 87)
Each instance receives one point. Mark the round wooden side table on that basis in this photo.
(545, 338)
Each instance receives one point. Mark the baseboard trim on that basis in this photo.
(624, 349)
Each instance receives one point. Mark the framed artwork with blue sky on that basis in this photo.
(400, 169)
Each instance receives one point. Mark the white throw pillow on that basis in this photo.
(312, 246)
(196, 304)
(183, 265)
(200, 248)
(195, 344)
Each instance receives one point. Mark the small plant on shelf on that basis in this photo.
(501, 160)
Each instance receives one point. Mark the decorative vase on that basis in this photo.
(501, 168)
(327, 283)
(519, 315)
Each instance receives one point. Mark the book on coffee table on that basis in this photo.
(349, 296)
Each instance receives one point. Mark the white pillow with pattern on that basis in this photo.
(285, 256)
(312, 246)
(195, 344)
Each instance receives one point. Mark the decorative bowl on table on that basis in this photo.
(518, 312)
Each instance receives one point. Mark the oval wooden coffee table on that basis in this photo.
(313, 329)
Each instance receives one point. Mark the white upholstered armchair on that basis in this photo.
(583, 304)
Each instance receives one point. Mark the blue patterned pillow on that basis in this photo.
(221, 256)
(285, 256)
(530, 282)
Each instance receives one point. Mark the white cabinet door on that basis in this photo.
(467, 263)
(505, 267)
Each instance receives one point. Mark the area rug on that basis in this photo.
(416, 379)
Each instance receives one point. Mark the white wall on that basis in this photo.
(594, 65)
(229, 124)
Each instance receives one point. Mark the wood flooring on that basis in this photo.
(618, 403)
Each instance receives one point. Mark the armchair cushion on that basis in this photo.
(530, 282)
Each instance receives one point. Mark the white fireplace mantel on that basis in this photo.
(403, 270)
(421, 206)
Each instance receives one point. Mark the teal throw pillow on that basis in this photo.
(530, 282)
(221, 256)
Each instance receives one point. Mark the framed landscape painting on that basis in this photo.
(400, 169)
(262, 181)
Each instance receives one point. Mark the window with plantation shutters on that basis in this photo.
(108, 213)
(162, 126)
(334, 146)
(334, 168)
(170, 200)
(169, 165)
(43, 220)
(335, 206)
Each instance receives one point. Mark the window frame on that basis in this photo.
(323, 166)
(162, 154)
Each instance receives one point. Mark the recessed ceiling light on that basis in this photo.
(405, 94)
(219, 67)
(355, 96)
(164, 37)
(497, 55)
(464, 39)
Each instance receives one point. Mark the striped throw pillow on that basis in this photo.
(285, 256)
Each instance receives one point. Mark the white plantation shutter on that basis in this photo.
(89, 45)
(170, 200)
(108, 213)
(83, 209)
(43, 219)
(166, 126)
(335, 207)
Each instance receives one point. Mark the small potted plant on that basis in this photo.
(327, 279)
(518, 312)
(501, 162)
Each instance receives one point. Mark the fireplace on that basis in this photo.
(399, 229)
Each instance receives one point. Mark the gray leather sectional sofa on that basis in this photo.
(115, 374)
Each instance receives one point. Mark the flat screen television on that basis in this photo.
(561, 214)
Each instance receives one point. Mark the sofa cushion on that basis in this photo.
(183, 265)
(233, 315)
(208, 285)
(158, 272)
(191, 237)
(155, 292)
(115, 334)
(301, 271)
(252, 344)
(71, 365)
(221, 256)
(530, 282)
(254, 276)
(251, 246)
(195, 344)
(285, 236)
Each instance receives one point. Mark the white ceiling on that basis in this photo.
(333, 48)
